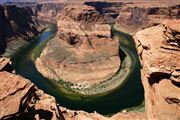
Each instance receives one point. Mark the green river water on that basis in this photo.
(129, 95)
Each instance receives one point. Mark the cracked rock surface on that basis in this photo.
(159, 51)
(83, 52)
(21, 99)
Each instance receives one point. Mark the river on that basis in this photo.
(128, 96)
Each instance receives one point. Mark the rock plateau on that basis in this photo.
(83, 52)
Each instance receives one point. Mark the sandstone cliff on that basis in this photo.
(159, 51)
(48, 11)
(16, 28)
(136, 15)
(20, 99)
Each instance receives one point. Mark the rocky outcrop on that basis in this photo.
(83, 51)
(20, 99)
(3, 62)
(136, 15)
(16, 28)
(81, 115)
(49, 10)
(158, 48)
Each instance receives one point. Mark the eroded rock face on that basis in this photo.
(83, 51)
(16, 28)
(48, 11)
(4, 62)
(20, 99)
(159, 48)
(137, 15)
(81, 115)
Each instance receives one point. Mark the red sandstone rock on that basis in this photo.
(20, 99)
(142, 14)
(84, 53)
(160, 70)
(3, 62)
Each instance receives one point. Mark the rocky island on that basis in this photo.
(88, 56)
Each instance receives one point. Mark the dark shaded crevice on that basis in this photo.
(8, 68)
(73, 40)
(26, 99)
(157, 77)
(172, 100)
(100, 5)
(122, 55)
(89, 41)
(61, 117)
(176, 83)
(44, 114)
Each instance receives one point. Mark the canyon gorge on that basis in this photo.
(122, 56)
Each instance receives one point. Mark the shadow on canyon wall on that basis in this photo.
(101, 7)
(15, 23)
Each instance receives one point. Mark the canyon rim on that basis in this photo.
(82, 48)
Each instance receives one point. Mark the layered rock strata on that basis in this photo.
(3, 62)
(136, 15)
(16, 28)
(83, 52)
(20, 99)
(159, 51)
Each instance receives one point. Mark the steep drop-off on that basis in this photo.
(134, 16)
(16, 28)
(159, 51)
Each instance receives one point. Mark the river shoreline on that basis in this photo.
(73, 101)
(104, 87)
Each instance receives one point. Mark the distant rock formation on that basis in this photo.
(159, 51)
(136, 16)
(48, 10)
(17, 26)
(83, 51)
